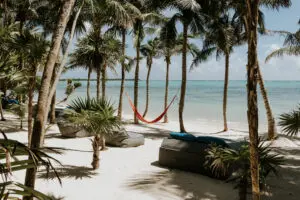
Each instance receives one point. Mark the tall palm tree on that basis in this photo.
(71, 30)
(252, 74)
(191, 16)
(39, 125)
(168, 48)
(223, 34)
(149, 50)
(240, 12)
(110, 50)
(140, 29)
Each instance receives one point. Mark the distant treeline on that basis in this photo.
(92, 79)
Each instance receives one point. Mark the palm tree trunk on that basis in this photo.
(98, 82)
(39, 125)
(123, 74)
(102, 143)
(225, 91)
(88, 84)
(183, 80)
(147, 89)
(64, 59)
(136, 80)
(168, 60)
(31, 87)
(96, 152)
(252, 74)
(271, 120)
(1, 110)
(52, 109)
(103, 79)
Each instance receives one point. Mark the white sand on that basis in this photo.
(132, 173)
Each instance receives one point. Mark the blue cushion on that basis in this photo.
(183, 136)
(202, 139)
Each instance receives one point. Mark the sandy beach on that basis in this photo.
(134, 174)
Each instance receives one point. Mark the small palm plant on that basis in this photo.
(97, 117)
(290, 122)
(223, 160)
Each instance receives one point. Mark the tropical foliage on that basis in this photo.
(97, 117)
(237, 161)
(12, 159)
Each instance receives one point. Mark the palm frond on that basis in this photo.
(291, 51)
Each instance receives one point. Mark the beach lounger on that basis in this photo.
(187, 152)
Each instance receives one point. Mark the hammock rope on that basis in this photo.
(141, 118)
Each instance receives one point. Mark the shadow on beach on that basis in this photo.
(175, 184)
(69, 171)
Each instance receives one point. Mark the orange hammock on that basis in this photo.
(141, 118)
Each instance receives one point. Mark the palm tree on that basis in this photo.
(39, 123)
(73, 28)
(168, 48)
(149, 50)
(191, 15)
(252, 74)
(240, 12)
(110, 51)
(34, 48)
(96, 116)
(82, 57)
(139, 31)
(223, 34)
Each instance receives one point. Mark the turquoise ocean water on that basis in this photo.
(203, 98)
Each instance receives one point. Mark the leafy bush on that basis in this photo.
(221, 160)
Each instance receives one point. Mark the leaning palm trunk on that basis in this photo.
(96, 152)
(98, 82)
(88, 84)
(225, 91)
(39, 125)
(271, 120)
(252, 74)
(147, 89)
(123, 74)
(31, 87)
(136, 80)
(103, 79)
(167, 88)
(183, 80)
(62, 63)
(52, 109)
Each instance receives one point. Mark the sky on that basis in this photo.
(285, 68)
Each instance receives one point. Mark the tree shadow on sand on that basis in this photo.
(69, 171)
(174, 184)
(287, 184)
